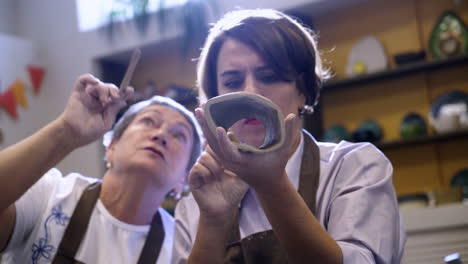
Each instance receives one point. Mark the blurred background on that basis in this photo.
(400, 81)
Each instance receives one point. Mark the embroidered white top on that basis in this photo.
(42, 215)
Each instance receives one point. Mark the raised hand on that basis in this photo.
(92, 108)
(216, 190)
(257, 170)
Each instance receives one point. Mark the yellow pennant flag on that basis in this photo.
(18, 92)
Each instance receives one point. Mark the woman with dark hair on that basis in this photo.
(307, 201)
(47, 218)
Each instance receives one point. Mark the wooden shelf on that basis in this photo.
(386, 145)
(401, 71)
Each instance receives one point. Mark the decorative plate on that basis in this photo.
(449, 36)
(367, 56)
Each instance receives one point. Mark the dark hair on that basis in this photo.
(288, 47)
(133, 110)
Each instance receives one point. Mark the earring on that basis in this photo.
(108, 164)
(174, 194)
(177, 192)
(306, 109)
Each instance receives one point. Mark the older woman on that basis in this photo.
(47, 218)
(306, 202)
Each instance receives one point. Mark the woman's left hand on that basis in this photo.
(257, 170)
(218, 192)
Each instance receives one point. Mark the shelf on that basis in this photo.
(401, 71)
(386, 145)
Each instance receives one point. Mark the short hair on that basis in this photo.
(288, 47)
(133, 110)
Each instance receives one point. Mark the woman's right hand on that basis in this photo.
(217, 191)
(92, 108)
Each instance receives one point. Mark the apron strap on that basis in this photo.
(310, 173)
(154, 241)
(78, 225)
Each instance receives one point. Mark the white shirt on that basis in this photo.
(44, 211)
(356, 205)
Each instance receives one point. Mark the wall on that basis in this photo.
(8, 9)
(66, 53)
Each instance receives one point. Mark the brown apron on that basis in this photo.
(78, 225)
(264, 247)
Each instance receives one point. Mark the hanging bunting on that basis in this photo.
(20, 75)
(18, 92)
(7, 101)
(36, 74)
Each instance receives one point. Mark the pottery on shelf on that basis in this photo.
(367, 56)
(449, 112)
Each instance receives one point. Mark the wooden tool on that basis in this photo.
(131, 68)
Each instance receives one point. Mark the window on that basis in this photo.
(93, 14)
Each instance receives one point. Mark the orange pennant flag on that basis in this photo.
(7, 101)
(36, 74)
(18, 93)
